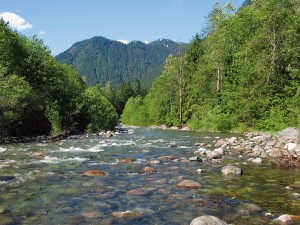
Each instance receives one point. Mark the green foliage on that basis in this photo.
(100, 113)
(40, 96)
(244, 74)
(13, 102)
(102, 60)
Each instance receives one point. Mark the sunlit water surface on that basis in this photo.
(44, 183)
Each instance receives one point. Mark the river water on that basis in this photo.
(43, 183)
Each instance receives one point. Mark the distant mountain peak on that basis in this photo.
(102, 60)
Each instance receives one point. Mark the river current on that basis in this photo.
(44, 183)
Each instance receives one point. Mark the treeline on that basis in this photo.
(244, 73)
(40, 96)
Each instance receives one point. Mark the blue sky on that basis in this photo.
(61, 23)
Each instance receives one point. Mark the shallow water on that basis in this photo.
(44, 183)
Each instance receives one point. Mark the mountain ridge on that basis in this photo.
(101, 59)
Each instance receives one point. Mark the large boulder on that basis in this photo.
(207, 220)
(231, 170)
(289, 133)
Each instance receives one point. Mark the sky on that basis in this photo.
(61, 23)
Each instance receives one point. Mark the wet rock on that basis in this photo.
(92, 215)
(139, 192)
(174, 128)
(213, 155)
(189, 184)
(164, 191)
(7, 178)
(296, 195)
(200, 144)
(126, 160)
(5, 220)
(221, 143)
(207, 220)
(199, 171)
(195, 159)
(148, 169)
(184, 161)
(107, 222)
(201, 151)
(275, 152)
(127, 214)
(286, 218)
(257, 160)
(107, 134)
(155, 161)
(232, 140)
(227, 170)
(179, 196)
(168, 157)
(219, 151)
(250, 207)
(91, 173)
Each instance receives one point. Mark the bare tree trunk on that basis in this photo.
(219, 79)
(273, 56)
(181, 86)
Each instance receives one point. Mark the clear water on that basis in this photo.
(50, 188)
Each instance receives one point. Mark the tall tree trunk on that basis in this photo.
(219, 79)
(273, 55)
(181, 86)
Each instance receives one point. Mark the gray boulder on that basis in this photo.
(231, 170)
(289, 132)
(207, 220)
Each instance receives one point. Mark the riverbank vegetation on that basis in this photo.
(40, 96)
(242, 74)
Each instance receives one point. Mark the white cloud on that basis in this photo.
(15, 21)
(42, 33)
(123, 41)
(146, 42)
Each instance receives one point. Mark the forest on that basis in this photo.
(241, 73)
(40, 96)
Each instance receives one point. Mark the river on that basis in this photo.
(44, 183)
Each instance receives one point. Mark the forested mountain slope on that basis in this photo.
(102, 60)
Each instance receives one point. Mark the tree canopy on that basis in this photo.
(40, 96)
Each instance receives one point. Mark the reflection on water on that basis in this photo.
(44, 183)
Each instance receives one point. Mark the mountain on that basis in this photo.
(246, 3)
(101, 60)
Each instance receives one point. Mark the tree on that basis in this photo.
(100, 113)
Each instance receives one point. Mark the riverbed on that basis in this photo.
(44, 183)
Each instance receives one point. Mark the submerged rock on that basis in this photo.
(127, 214)
(7, 178)
(207, 220)
(148, 169)
(92, 173)
(189, 184)
(126, 160)
(227, 170)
